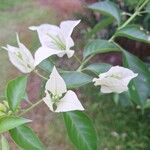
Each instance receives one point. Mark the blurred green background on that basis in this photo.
(119, 128)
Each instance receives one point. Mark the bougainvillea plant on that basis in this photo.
(132, 79)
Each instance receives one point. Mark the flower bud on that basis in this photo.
(3, 107)
(6, 104)
(2, 114)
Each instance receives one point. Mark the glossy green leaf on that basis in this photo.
(26, 138)
(4, 143)
(74, 79)
(98, 68)
(46, 65)
(10, 122)
(139, 88)
(125, 100)
(15, 91)
(99, 46)
(133, 32)
(99, 26)
(147, 8)
(80, 130)
(107, 8)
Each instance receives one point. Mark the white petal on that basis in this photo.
(47, 99)
(42, 53)
(113, 85)
(70, 53)
(25, 50)
(124, 74)
(105, 89)
(26, 54)
(129, 78)
(97, 81)
(56, 84)
(61, 54)
(11, 48)
(122, 71)
(115, 80)
(68, 26)
(69, 43)
(20, 57)
(33, 28)
(19, 64)
(69, 102)
(44, 31)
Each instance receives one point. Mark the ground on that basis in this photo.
(118, 128)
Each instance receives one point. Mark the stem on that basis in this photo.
(76, 57)
(137, 12)
(144, 12)
(36, 72)
(134, 15)
(138, 4)
(129, 20)
(84, 62)
(29, 102)
(112, 38)
(30, 108)
(126, 13)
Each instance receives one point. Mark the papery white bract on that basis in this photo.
(55, 40)
(115, 80)
(56, 84)
(20, 57)
(54, 89)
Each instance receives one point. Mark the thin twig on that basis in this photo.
(76, 57)
(40, 75)
(31, 107)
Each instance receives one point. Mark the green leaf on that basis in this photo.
(107, 8)
(46, 65)
(80, 130)
(125, 100)
(139, 88)
(99, 46)
(4, 143)
(147, 8)
(98, 68)
(99, 26)
(133, 32)
(15, 91)
(74, 79)
(26, 138)
(10, 122)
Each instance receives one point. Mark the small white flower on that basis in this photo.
(148, 38)
(57, 98)
(55, 40)
(115, 134)
(141, 28)
(115, 80)
(20, 57)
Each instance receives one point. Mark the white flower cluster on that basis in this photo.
(56, 40)
(115, 80)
